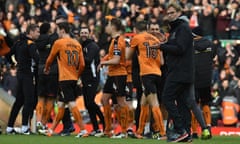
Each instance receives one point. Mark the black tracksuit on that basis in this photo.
(204, 54)
(90, 81)
(25, 52)
(180, 74)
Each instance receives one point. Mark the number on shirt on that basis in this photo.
(150, 52)
(72, 57)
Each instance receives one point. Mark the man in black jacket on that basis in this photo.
(25, 51)
(47, 84)
(204, 54)
(178, 92)
(90, 78)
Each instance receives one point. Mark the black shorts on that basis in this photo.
(115, 85)
(68, 91)
(47, 85)
(203, 95)
(150, 83)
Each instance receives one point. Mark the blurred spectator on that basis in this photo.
(4, 73)
(237, 91)
(230, 110)
(207, 22)
(233, 8)
(224, 90)
(10, 81)
(222, 23)
(234, 27)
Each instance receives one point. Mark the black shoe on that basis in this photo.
(67, 132)
(27, 132)
(0, 130)
(176, 137)
(130, 133)
(188, 139)
(94, 132)
(71, 129)
(12, 132)
(195, 136)
(148, 135)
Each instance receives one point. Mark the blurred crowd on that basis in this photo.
(218, 19)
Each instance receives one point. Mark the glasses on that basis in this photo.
(170, 13)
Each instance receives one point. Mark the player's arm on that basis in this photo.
(130, 51)
(161, 58)
(113, 61)
(117, 52)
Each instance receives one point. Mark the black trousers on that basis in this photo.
(89, 91)
(25, 97)
(136, 80)
(183, 95)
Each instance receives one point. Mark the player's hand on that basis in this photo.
(161, 37)
(46, 71)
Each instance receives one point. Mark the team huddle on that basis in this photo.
(159, 67)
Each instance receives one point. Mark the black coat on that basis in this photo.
(44, 45)
(179, 53)
(204, 54)
(92, 60)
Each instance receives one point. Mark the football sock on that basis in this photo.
(143, 118)
(207, 114)
(107, 118)
(124, 118)
(117, 114)
(130, 116)
(194, 124)
(48, 110)
(158, 120)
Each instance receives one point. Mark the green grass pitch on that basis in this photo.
(38, 139)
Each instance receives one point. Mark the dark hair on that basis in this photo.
(141, 25)
(118, 24)
(44, 28)
(65, 26)
(31, 27)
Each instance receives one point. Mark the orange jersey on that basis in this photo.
(70, 58)
(117, 49)
(149, 58)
